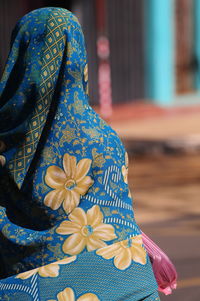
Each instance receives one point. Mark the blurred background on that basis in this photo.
(144, 78)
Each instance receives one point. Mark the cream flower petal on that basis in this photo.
(71, 201)
(74, 244)
(82, 168)
(109, 251)
(69, 206)
(93, 243)
(104, 232)
(75, 197)
(68, 227)
(66, 295)
(124, 170)
(83, 185)
(125, 174)
(86, 73)
(27, 274)
(78, 216)
(69, 164)
(126, 159)
(138, 254)
(137, 240)
(88, 297)
(94, 216)
(54, 198)
(55, 177)
(67, 260)
(50, 270)
(123, 259)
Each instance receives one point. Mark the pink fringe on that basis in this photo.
(164, 270)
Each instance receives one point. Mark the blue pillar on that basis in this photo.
(159, 51)
(197, 41)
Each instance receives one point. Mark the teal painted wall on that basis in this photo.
(197, 41)
(159, 51)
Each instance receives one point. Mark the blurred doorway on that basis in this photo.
(186, 62)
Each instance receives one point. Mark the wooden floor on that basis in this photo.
(166, 192)
(165, 186)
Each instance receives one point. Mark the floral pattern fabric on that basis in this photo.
(68, 184)
(87, 276)
(67, 226)
(124, 252)
(50, 270)
(87, 230)
(68, 294)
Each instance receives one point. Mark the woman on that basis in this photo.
(66, 220)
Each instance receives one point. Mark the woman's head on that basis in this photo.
(45, 65)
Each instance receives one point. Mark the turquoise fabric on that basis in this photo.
(67, 227)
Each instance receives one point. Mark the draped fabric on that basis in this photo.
(67, 227)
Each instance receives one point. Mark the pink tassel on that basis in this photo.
(164, 270)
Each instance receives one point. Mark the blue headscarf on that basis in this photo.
(64, 189)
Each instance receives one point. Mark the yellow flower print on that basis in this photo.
(124, 252)
(125, 172)
(87, 229)
(68, 295)
(2, 160)
(86, 78)
(125, 169)
(86, 73)
(49, 270)
(68, 184)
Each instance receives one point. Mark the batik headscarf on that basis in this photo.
(64, 190)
